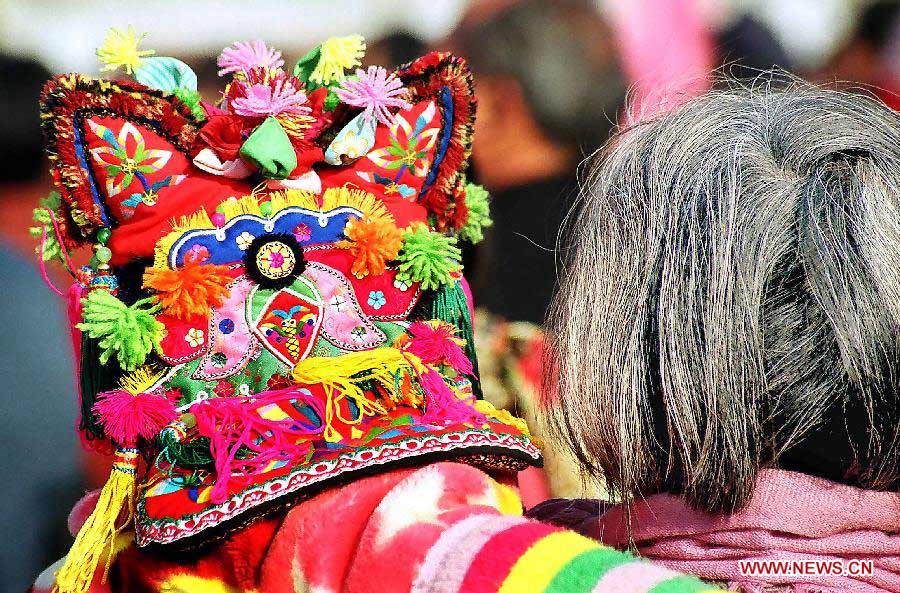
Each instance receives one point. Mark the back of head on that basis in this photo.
(732, 297)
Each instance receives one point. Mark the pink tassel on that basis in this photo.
(435, 342)
(441, 404)
(231, 423)
(126, 418)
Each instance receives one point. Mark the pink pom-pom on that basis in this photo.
(243, 56)
(435, 342)
(125, 417)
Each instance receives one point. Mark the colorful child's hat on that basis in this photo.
(275, 302)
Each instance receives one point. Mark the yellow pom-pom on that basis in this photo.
(336, 55)
(121, 49)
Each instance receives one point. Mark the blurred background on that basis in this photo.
(553, 79)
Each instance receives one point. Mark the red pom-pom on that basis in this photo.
(125, 417)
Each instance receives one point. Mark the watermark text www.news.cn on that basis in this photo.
(797, 568)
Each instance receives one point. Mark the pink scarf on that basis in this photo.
(791, 517)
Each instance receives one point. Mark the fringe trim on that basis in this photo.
(425, 78)
(65, 102)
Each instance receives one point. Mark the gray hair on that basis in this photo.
(731, 297)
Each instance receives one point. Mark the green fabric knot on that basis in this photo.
(270, 149)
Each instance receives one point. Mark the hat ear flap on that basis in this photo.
(112, 146)
(446, 80)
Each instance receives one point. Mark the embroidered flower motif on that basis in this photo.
(125, 157)
(377, 300)
(266, 93)
(376, 92)
(121, 49)
(244, 240)
(337, 303)
(358, 333)
(302, 232)
(409, 145)
(223, 388)
(197, 253)
(243, 56)
(400, 285)
(351, 145)
(194, 337)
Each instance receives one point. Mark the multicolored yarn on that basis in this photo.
(235, 424)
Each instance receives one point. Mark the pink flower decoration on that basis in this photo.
(375, 91)
(302, 232)
(244, 56)
(436, 342)
(275, 96)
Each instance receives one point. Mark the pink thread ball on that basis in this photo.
(218, 219)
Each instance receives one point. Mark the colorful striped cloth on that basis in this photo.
(444, 528)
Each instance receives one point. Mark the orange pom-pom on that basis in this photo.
(373, 242)
(192, 289)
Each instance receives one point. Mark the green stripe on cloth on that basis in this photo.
(682, 584)
(581, 573)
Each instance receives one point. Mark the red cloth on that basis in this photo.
(791, 516)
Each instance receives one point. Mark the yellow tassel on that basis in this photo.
(97, 538)
(340, 376)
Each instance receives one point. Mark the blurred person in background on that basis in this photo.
(39, 449)
(395, 49)
(871, 56)
(549, 88)
(747, 47)
(552, 80)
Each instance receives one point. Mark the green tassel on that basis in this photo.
(428, 258)
(94, 378)
(478, 205)
(131, 333)
(450, 304)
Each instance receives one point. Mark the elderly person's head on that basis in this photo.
(731, 300)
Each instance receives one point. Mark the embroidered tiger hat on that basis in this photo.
(275, 300)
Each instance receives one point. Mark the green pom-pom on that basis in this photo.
(191, 98)
(428, 258)
(52, 249)
(478, 205)
(131, 333)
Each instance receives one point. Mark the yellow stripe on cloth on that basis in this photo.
(534, 570)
